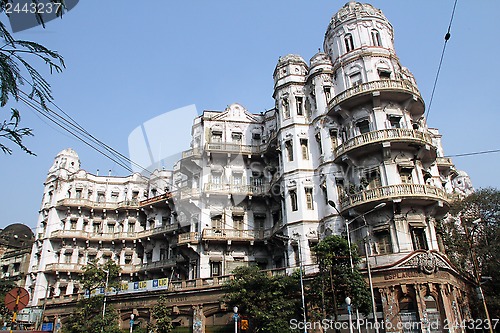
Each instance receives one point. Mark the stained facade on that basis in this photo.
(346, 142)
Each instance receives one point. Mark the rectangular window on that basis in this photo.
(96, 227)
(289, 150)
(349, 43)
(237, 179)
(363, 126)
(376, 38)
(67, 257)
(259, 222)
(384, 74)
(217, 222)
(101, 197)
(309, 198)
(405, 174)
(131, 227)
(395, 121)
(73, 224)
(78, 193)
(383, 242)
(238, 222)
(216, 178)
(293, 200)
(114, 196)
(333, 138)
(300, 105)
(419, 239)
(163, 254)
(304, 148)
(216, 268)
(111, 228)
(286, 108)
(371, 179)
(328, 93)
(216, 137)
(318, 141)
(236, 137)
(355, 79)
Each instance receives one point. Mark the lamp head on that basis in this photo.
(380, 205)
(235, 309)
(348, 300)
(331, 203)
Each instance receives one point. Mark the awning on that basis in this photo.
(216, 259)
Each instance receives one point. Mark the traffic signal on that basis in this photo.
(244, 324)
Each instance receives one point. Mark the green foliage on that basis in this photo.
(473, 231)
(5, 287)
(94, 275)
(336, 280)
(161, 314)
(87, 318)
(16, 70)
(269, 302)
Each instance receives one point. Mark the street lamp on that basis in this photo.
(132, 316)
(347, 223)
(348, 302)
(105, 289)
(235, 310)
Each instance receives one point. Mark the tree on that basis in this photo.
(336, 279)
(15, 71)
(269, 302)
(95, 275)
(161, 313)
(5, 287)
(471, 236)
(87, 318)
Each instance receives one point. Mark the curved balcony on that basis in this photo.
(232, 235)
(188, 238)
(192, 153)
(393, 135)
(62, 267)
(158, 265)
(65, 234)
(76, 202)
(162, 198)
(247, 190)
(416, 192)
(444, 162)
(169, 228)
(396, 90)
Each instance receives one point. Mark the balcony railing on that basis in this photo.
(392, 134)
(232, 234)
(237, 189)
(188, 193)
(159, 230)
(194, 152)
(405, 86)
(394, 191)
(94, 235)
(232, 148)
(165, 263)
(63, 267)
(76, 202)
(158, 198)
(189, 237)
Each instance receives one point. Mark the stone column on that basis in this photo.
(390, 308)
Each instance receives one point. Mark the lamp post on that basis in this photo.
(347, 223)
(235, 310)
(132, 316)
(105, 289)
(348, 302)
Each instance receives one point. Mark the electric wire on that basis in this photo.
(446, 38)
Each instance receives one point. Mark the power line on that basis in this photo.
(446, 38)
(475, 153)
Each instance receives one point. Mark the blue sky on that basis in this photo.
(127, 64)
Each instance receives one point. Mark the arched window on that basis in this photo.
(349, 43)
(293, 200)
(376, 41)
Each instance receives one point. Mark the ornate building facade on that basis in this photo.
(346, 143)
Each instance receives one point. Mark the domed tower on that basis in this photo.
(293, 109)
(390, 180)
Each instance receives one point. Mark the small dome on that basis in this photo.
(354, 9)
(320, 58)
(290, 58)
(69, 152)
(16, 235)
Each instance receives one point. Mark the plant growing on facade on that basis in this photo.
(269, 302)
(336, 279)
(5, 287)
(161, 314)
(16, 71)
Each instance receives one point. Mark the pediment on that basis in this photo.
(236, 112)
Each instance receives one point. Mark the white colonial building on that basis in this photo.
(254, 189)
